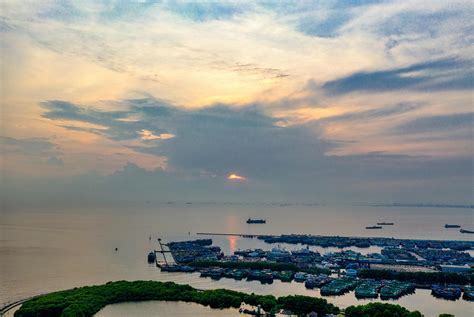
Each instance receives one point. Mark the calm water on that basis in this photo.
(164, 309)
(43, 251)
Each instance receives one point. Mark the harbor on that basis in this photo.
(333, 273)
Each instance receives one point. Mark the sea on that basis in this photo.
(45, 250)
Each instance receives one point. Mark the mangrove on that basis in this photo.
(88, 300)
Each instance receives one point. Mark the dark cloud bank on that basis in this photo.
(445, 74)
(281, 163)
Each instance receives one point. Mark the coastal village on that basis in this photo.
(402, 266)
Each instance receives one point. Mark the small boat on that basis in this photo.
(235, 274)
(468, 293)
(452, 226)
(213, 273)
(451, 292)
(284, 276)
(466, 231)
(301, 276)
(264, 276)
(170, 268)
(316, 281)
(151, 257)
(250, 220)
(374, 227)
(385, 223)
(187, 269)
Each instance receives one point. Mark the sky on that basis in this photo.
(108, 102)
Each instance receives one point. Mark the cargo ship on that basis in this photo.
(250, 220)
(466, 231)
(373, 227)
(452, 226)
(385, 223)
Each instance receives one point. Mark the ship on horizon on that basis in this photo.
(373, 227)
(250, 220)
(385, 223)
(452, 226)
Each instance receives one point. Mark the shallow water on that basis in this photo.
(164, 309)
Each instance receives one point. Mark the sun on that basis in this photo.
(236, 177)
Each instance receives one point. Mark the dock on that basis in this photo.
(163, 252)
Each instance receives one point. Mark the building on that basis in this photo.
(456, 268)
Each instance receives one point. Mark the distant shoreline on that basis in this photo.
(423, 205)
(313, 204)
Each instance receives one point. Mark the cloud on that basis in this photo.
(232, 76)
(373, 114)
(29, 154)
(412, 17)
(63, 110)
(148, 135)
(62, 11)
(118, 125)
(202, 11)
(284, 163)
(251, 69)
(55, 161)
(40, 147)
(326, 28)
(317, 18)
(213, 139)
(221, 138)
(445, 74)
(439, 123)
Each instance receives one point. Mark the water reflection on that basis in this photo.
(232, 243)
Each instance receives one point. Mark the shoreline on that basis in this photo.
(9, 306)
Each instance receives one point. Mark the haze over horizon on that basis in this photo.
(332, 102)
